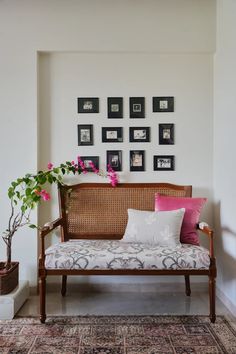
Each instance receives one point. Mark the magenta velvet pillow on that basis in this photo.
(192, 207)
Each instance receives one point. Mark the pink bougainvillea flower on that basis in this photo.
(95, 170)
(114, 181)
(113, 177)
(81, 164)
(50, 165)
(45, 195)
(73, 163)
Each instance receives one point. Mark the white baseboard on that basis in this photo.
(226, 301)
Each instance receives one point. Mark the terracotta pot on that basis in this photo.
(8, 278)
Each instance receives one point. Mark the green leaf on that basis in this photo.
(42, 179)
(38, 187)
(32, 226)
(68, 163)
(28, 192)
(10, 192)
(35, 197)
(23, 208)
(50, 179)
(56, 170)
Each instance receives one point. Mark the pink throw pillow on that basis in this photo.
(192, 207)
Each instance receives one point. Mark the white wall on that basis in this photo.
(153, 26)
(66, 76)
(224, 150)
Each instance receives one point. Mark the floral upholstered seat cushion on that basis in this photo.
(108, 254)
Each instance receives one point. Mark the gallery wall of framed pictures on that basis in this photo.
(162, 131)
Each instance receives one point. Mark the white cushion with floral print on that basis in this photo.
(158, 227)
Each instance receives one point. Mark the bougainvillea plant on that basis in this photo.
(26, 192)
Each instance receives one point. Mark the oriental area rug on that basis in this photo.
(117, 335)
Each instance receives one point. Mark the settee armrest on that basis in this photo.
(205, 229)
(45, 230)
(50, 226)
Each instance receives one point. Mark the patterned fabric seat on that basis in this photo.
(110, 254)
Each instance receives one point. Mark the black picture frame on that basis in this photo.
(164, 163)
(137, 160)
(137, 107)
(85, 134)
(115, 107)
(87, 159)
(88, 105)
(139, 134)
(114, 159)
(163, 104)
(112, 134)
(166, 134)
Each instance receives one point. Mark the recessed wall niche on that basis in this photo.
(65, 77)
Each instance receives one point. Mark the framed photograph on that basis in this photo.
(88, 105)
(114, 159)
(88, 159)
(137, 162)
(136, 107)
(164, 163)
(163, 104)
(85, 134)
(166, 134)
(112, 135)
(115, 107)
(139, 134)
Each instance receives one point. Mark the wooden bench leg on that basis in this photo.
(42, 296)
(187, 285)
(63, 285)
(212, 298)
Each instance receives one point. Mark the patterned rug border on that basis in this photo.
(118, 334)
(128, 319)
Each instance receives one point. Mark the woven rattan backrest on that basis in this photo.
(100, 211)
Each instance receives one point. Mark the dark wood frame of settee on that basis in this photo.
(61, 221)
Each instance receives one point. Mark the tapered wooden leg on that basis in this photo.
(187, 285)
(63, 285)
(42, 296)
(212, 298)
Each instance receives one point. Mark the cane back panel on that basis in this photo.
(99, 211)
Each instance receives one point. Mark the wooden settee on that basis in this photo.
(95, 211)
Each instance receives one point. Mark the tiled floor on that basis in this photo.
(125, 303)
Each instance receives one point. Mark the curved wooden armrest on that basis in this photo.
(43, 232)
(47, 228)
(205, 229)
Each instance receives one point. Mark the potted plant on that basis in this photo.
(24, 194)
